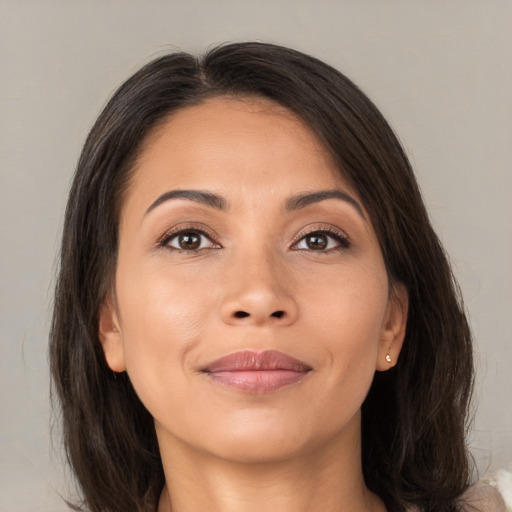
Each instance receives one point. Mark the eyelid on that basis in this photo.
(184, 228)
(340, 235)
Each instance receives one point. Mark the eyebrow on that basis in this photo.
(296, 202)
(198, 196)
(303, 200)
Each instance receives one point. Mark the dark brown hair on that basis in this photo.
(415, 415)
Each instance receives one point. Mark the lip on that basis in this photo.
(257, 372)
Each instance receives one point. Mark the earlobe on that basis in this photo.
(110, 337)
(393, 330)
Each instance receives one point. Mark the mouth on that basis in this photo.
(257, 372)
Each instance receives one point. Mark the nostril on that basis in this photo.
(241, 314)
(278, 314)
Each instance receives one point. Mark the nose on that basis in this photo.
(259, 293)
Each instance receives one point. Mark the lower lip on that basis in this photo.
(257, 381)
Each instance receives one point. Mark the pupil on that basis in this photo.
(318, 242)
(189, 241)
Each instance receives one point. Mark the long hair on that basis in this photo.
(414, 418)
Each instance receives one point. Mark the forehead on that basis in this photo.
(243, 147)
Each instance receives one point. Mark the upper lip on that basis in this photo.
(249, 360)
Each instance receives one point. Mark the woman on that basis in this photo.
(253, 311)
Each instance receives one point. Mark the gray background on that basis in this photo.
(439, 70)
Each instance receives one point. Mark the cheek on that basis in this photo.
(156, 300)
(349, 305)
(349, 314)
(162, 319)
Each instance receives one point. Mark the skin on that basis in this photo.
(175, 310)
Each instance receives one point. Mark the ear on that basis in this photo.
(393, 328)
(110, 336)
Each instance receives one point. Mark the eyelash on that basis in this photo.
(342, 240)
(170, 235)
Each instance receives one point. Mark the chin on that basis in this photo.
(262, 450)
(258, 441)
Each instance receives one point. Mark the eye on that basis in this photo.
(188, 240)
(322, 240)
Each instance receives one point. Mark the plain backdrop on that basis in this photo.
(439, 70)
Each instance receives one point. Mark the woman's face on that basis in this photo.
(252, 305)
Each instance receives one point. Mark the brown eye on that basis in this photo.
(316, 241)
(188, 241)
(324, 240)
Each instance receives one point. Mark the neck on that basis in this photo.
(327, 478)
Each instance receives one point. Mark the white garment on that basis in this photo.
(483, 497)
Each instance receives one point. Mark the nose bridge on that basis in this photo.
(259, 289)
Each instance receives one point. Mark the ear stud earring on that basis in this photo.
(388, 358)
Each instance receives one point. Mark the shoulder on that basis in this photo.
(482, 497)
